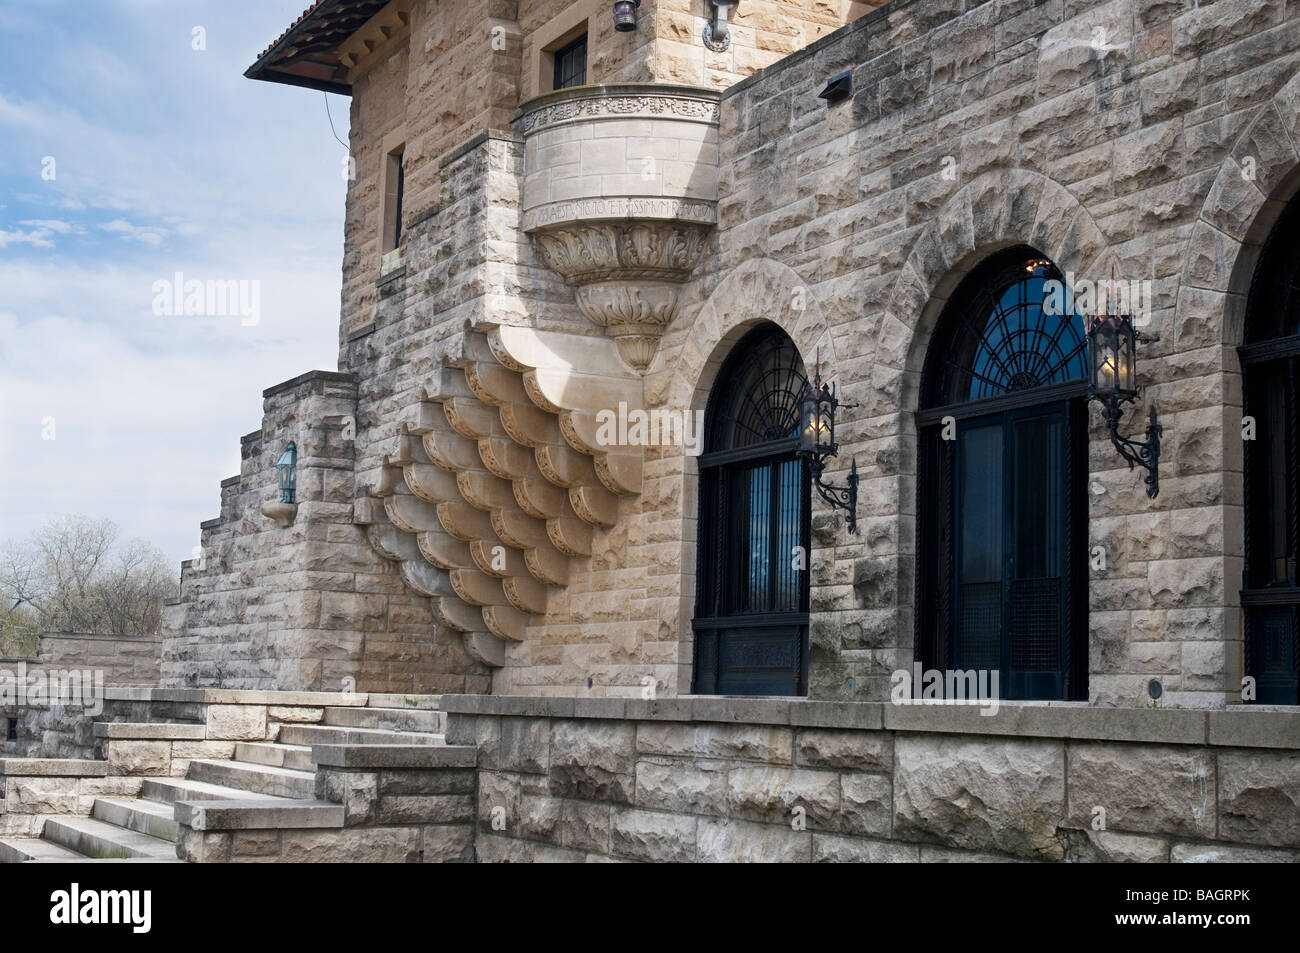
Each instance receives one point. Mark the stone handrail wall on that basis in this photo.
(709, 779)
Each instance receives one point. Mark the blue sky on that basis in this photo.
(165, 159)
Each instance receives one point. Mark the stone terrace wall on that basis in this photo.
(696, 779)
(1112, 134)
(66, 732)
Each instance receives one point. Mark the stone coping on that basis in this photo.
(52, 767)
(333, 377)
(260, 814)
(394, 756)
(149, 731)
(241, 696)
(1232, 727)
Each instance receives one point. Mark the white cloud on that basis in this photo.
(55, 225)
(151, 235)
(37, 237)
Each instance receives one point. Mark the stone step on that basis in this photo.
(259, 815)
(385, 700)
(391, 719)
(171, 790)
(95, 838)
(17, 850)
(297, 757)
(258, 778)
(150, 731)
(332, 735)
(154, 818)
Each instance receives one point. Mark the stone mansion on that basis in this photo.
(581, 471)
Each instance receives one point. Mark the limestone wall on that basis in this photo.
(310, 605)
(727, 780)
(464, 66)
(973, 126)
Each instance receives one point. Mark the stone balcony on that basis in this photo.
(620, 191)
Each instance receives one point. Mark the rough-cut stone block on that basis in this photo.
(690, 787)
(774, 795)
(652, 835)
(866, 804)
(236, 722)
(980, 794)
(370, 845)
(1143, 788)
(733, 841)
(585, 826)
(746, 742)
(593, 760)
(832, 848)
(447, 844)
(852, 750)
(140, 757)
(525, 745)
(40, 796)
(425, 809)
(1259, 797)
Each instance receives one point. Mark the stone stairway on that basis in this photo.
(275, 779)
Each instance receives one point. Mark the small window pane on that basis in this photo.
(571, 64)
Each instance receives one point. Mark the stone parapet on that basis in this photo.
(743, 779)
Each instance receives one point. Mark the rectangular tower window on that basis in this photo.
(394, 186)
(571, 64)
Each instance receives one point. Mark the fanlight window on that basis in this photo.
(757, 400)
(1001, 584)
(1009, 336)
(751, 610)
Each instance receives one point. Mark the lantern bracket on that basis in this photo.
(840, 497)
(1145, 454)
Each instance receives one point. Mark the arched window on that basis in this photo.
(751, 609)
(1270, 361)
(1001, 507)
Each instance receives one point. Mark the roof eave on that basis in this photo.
(268, 75)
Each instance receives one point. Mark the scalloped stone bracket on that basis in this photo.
(627, 275)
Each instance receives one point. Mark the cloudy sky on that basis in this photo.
(128, 156)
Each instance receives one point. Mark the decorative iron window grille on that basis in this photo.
(751, 617)
(1270, 359)
(1001, 512)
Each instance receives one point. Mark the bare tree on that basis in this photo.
(73, 575)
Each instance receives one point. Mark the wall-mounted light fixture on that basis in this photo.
(817, 407)
(625, 15)
(286, 472)
(717, 35)
(839, 86)
(1112, 382)
(285, 508)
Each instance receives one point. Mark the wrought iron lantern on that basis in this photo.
(286, 473)
(1112, 382)
(817, 406)
(625, 15)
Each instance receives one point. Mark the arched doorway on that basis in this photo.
(751, 607)
(1270, 363)
(1002, 537)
